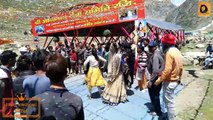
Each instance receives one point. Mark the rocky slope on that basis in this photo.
(158, 9)
(187, 16)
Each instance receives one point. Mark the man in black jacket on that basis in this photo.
(155, 67)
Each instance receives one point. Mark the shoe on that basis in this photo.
(204, 68)
(153, 113)
(84, 83)
(127, 87)
(163, 118)
(137, 87)
(89, 96)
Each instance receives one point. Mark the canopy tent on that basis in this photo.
(164, 25)
(157, 28)
(90, 20)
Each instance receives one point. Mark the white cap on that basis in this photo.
(23, 49)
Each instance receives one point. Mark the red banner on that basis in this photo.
(116, 11)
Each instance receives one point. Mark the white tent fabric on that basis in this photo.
(164, 25)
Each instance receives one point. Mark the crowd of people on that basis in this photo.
(111, 67)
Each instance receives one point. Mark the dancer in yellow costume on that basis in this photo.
(94, 76)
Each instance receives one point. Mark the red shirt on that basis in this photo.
(73, 56)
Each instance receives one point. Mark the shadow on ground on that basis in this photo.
(130, 92)
(149, 106)
(192, 72)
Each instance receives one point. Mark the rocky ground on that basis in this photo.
(191, 98)
(194, 102)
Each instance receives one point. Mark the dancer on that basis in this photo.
(94, 77)
(115, 91)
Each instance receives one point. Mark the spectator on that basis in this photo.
(106, 55)
(100, 50)
(144, 43)
(92, 46)
(73, 61)
(131, 62)
(8, 59)
(29, 51)
(209, 49)
(141, 65)
(24, 65)
(207, 62)
(155, 67)
(50, 50)
(125, 67)
(58, 103)
(87, 52)
(39, 82)
(171, 74)
(23, 50)
(62, 50)
(81, 58)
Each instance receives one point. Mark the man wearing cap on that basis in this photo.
(8, 59)
(155, 67)
(171, 75)
(23, 50)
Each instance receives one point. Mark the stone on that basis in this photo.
(194, 54)
(1, 51)
(190, 47)
(196, 62)
(200, 46)
(187, 60)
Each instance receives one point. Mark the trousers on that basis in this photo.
(168, 98)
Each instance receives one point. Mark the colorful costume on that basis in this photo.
(115, 90)
(94, 77)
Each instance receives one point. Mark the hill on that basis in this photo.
(186, 15)
(158, 9)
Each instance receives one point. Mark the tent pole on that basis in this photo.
(66, 37)
(183, 35)
(45, 42)
(91, 40)
(77, 40)
(72, 39)
(97, 39)
(150, 28)
(157, 33)
(85, 41)
(49, 43)
(126, 33)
